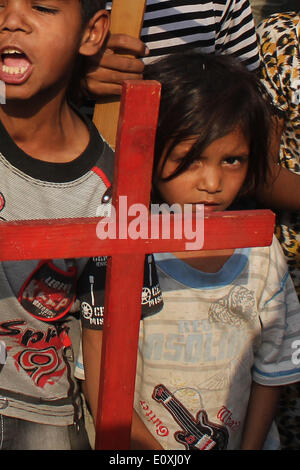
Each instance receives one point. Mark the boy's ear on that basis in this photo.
(95, 33)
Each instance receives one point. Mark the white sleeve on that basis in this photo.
(280, 322)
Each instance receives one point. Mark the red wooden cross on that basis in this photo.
(70, 238)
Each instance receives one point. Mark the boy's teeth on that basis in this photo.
(13, 70)
(11, 51)
(14, 62)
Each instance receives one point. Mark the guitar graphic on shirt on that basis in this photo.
(196, 434)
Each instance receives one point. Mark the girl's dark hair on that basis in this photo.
(90, 7)
(209, 96)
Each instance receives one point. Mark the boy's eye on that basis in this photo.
(44, 9)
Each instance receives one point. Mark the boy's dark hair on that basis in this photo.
(209, 96)
(90, 7)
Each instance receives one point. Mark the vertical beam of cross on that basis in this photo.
(125, 272)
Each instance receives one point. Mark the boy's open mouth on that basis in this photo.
(14, 64)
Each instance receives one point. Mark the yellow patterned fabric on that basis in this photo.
(280, 72)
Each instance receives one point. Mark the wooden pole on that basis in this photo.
(126, 18)
(125, 272)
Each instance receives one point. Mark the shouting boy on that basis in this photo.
(53, 164)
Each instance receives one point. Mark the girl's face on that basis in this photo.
(214, 179)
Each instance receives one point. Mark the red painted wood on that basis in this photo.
(71, 238)
(125, 273)
(119, 351)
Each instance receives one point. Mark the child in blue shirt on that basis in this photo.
(212, 361)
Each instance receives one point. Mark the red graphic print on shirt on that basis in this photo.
(38, 353)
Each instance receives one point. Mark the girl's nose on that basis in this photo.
(209, 179)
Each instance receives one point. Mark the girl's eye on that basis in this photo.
(233, 161)
(179, 160)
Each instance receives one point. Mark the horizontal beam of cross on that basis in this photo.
(71, 238)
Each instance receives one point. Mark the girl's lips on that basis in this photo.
(211, 208)
(206, 203)
(208, 207)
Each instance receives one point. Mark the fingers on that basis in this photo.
(120, 61)
(124, 44)
(112, 76)
(95, 89)
(107, 82)
(107, 79)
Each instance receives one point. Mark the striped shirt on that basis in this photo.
(225, 26)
